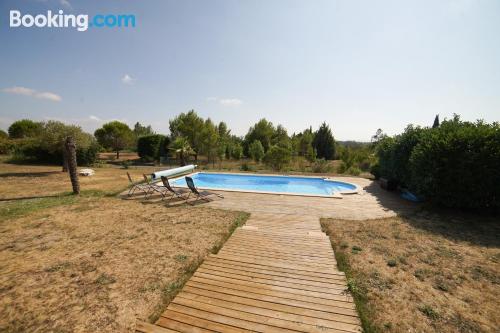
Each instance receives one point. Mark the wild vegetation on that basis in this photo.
(191, 136)
(453, 164)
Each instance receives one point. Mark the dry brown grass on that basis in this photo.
(39, 180)
(93, 263)
(96, 265)
(425, 273)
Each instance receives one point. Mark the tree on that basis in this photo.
(305, 143)
(224, 137)
(323, 142)
(70, 154)
(115, 135)
(278, 157)
(53, 135)
(236, 151)
(256, 151)
(149, 147)
(3, 135)
(24, 128)
(280, 136)
(436, 122)
(262, 131)
(181, 147)
(190, 126)
(210, 140)
(140, 130)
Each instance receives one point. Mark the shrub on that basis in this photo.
(246, 167)
(457, 165)
(24, 128)
(236, 151)
(256, 151)
(34, 151)
(453, 165)
(394, 154)
(87, 155)
(151, 147)
(321, 166)
(6, 146)
(278, 157)
(375, 170)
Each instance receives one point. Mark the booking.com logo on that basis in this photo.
(60, 20)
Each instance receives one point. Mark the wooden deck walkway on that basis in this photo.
(276, 274)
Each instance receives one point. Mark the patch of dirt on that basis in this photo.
(424, 273)
(100, 263)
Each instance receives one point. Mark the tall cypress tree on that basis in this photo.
(436, 122)
(324, 143)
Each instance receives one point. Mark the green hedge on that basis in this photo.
(34, 151)
(454, 165)
(151, 147)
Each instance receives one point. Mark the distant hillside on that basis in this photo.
(353, 144)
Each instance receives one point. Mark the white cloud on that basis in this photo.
(226, 101)
(230, 101)
(95, 118)
(127, 79)
(33, 93)
(48, 95)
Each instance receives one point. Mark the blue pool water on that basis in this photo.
(284, 184)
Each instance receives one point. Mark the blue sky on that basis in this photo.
(358, 65)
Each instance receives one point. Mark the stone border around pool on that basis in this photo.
(337, 195)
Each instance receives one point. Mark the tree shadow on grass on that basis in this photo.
(391, 200)
(475, 227)
(29, 174)
(31, 197)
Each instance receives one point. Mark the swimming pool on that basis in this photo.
(292, 185)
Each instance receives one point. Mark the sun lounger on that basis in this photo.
(200, 195)
(144, 188)
(152, 188)
(176, 192)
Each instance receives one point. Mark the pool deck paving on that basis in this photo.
(278, 272)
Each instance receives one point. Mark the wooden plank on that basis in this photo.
(345, 308)
(271, 254)
(278, 250)
(334, 289)
(143, 327)
(326, 271)
(294, 280)
(267, 309)
(223, 316)
(333, 300)
(332, 294)
(186, 323)
(340, 314)
(266, 318)
(259, 265)
(285, 239)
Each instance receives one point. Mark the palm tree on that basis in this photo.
(182, 147)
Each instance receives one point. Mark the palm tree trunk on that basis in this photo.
(65, 159)
(71, 157)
